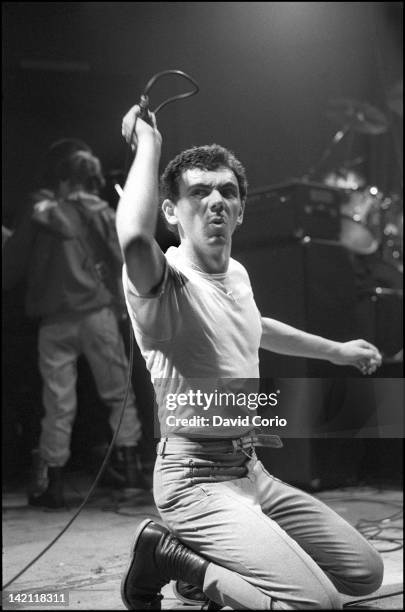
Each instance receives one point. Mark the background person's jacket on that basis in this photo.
(69, 253)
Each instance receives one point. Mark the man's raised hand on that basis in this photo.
(133, 127)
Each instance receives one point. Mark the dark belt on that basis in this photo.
(175, 444)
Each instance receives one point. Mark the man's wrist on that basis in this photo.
(333, 351)
(149, 150)
(148, 138)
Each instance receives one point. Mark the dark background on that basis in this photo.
(266, 71)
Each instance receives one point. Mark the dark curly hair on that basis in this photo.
(206, 157)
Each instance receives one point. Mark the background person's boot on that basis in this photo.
(111, 476)
(126, 462)
(52, 496)
(158, 557)
(38, 474)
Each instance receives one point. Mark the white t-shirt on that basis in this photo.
(201, 334)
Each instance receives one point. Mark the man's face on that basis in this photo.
(209, 206)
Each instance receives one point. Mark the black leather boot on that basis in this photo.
(158, 557)
(52, 497)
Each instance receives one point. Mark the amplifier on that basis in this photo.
(291, 210)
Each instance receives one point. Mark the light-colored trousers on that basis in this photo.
(96, 335)
(271, 545)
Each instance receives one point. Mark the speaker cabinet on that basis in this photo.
(294, 209)
(314, 465)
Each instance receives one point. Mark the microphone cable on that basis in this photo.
(350, 604)
(144, 99)
(159, 75)
(144, 104)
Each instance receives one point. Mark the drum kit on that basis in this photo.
(371, 221)
(371, 228)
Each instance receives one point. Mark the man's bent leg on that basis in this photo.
(350, 562)
(259, 565)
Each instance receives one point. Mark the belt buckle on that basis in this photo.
(244, 442)
(248, 441)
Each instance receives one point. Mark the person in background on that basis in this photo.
(66, 247)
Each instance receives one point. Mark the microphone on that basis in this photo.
(144, 112)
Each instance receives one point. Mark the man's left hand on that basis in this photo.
(358, 353)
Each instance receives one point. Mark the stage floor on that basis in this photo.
(87, 562)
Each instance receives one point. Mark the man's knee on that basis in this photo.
(368, 577)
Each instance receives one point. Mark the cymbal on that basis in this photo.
(357, 116)
(346, 178)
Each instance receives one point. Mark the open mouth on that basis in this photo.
(218, 221)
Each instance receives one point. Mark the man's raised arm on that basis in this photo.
(137, 210)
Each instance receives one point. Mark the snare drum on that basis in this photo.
(361, 220)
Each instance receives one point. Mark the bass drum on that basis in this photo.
(361, 221)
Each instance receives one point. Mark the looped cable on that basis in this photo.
(182, 96)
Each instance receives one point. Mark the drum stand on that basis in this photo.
(338, 137)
